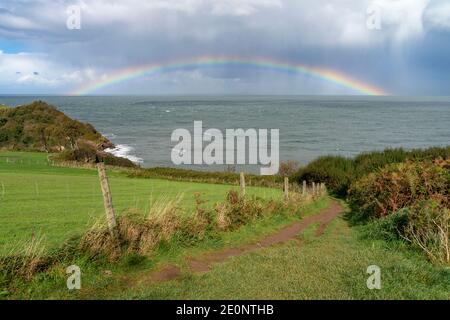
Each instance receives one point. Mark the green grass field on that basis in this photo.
(61, 202)
(57, 203)
(332, 266)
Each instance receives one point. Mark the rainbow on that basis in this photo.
(329, 75)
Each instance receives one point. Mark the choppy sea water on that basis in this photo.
(141, 126)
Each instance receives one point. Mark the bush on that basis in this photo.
(238, 210)
(408, 201)
(288, 168)
(338, 172)
(390, 228)
(88, 153)
(429, 229)
(398, 186)
(41, 127)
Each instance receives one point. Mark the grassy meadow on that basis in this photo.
(60, 202)
(332, 266)
(57, 203)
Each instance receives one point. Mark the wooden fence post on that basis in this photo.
(286, 188)
(304, 188)
(107, 200)
(314, 189)
(242, 184)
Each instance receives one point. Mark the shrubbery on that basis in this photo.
(428, 228)
(41, 127)
(425, 225)
(390, 228)
(336, 172)
(398, 186)
(408, 201)
(404, 194)
(237, 211)
(339, 172)
(88, 153)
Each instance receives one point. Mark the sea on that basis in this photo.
(309, 126)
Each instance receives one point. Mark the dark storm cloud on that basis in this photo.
(118, 34)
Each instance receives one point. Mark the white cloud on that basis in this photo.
(243, 7)
(318, 22)
(437, 15)
(219, 7)
(38, 70)
(402, 18)
(12, 21)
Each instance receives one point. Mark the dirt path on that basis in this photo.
(205, 262)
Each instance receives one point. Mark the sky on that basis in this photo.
(399, 46)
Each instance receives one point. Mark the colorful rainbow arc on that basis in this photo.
(208, 62)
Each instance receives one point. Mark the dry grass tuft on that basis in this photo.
(138, 233)
(25, 260)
